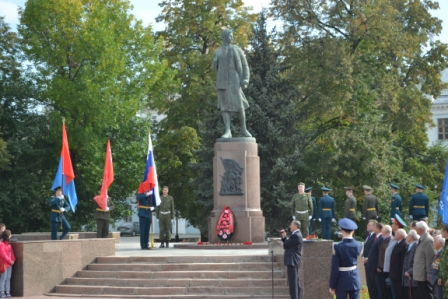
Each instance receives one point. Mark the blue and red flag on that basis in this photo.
(443, 204)
(150, 182)
(108, 178)
(65, 175)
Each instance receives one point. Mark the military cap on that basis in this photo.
(325, 189)
(419, 186)
(365, 187)
(394, 186)
(301, 184)
(347, 224)
(308, 189)
(348, 188)
(57, 188)
(398, 221)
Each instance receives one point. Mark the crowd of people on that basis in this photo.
(400, 264)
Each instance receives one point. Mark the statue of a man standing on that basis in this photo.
(232, 76)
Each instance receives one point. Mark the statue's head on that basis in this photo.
(227, 35)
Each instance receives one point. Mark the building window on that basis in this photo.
(442, 124)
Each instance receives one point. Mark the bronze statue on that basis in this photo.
(232, 76)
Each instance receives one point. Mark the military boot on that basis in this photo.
(167, 244)
(162, 245)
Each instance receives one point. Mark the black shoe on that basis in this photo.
(162, 245)
(167, 244)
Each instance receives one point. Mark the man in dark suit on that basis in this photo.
(365, 254)
(409, 289)
(293, 256)
(372, 260)
(396, 262)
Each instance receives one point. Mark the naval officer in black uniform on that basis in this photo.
(293, 257)
(344, 276)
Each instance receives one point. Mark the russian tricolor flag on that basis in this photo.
(150, 177)
(65, 175)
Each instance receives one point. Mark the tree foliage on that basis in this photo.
(364, 71)
(94, 64)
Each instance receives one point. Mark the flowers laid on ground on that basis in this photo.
(225, 226)
(311, 237)
(224, 244)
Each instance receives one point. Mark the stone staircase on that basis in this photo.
(177, 277)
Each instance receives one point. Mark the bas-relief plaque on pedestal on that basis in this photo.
(231, 179)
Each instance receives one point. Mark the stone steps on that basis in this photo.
(177, 277)
(143, 291)
(175, 282)
(181, 274)
(145, 267)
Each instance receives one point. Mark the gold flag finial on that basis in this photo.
(63, 120)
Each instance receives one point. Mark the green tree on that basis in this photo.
(97, 66)
(363, 72)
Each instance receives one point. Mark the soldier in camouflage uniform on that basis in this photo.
(443, 266)
(350, 204)
(314, 216)
(302, 208)
(165, 213)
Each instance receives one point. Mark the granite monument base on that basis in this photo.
(314, 271)
(236, 183)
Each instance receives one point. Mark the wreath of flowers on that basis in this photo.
(225, 226)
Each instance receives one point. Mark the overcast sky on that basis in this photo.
(147, 10)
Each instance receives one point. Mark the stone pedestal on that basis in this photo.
(239, 153)
(314, 270)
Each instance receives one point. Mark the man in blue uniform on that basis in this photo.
(314, 216)
(293, 257)
(326, 213)
(146, 203)
(59, 205)
(419, 204)
(395, 204)
(344, 275)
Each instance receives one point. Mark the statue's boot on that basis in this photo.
(244, 131)
(226, 118)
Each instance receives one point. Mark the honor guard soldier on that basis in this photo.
(395, 204)
(165, 213)
(314, 216)
(370, 205)
(146, 203)
(419, 204)
(302, 208)
(344, 276)
(350, 204)
(102, 217)
(326, 213)
(59, 205)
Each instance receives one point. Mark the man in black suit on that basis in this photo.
(409, 289)
(365, 254)
(372, 261)
(396, 262)
(293, 256)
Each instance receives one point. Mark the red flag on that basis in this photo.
(108, 178)
(67, 168)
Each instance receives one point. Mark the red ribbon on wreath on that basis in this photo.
(225, 226)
